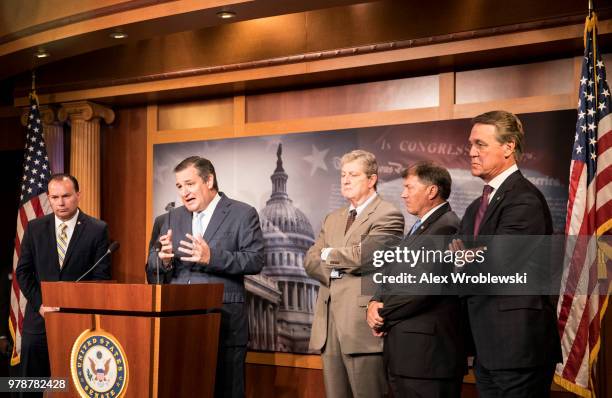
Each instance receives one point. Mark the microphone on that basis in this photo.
(111, 249)
(157, 247)
(169, 206)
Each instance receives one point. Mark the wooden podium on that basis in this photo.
(167, 332)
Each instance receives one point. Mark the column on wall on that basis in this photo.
(53, 133)
(85, 119)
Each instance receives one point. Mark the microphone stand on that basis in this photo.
(113, 246)
(157, 248)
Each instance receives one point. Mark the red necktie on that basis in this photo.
(482, 209)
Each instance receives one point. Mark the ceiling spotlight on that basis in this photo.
(226, 14)
(42, 53)
(118, 34)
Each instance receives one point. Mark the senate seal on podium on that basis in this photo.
(98, 365)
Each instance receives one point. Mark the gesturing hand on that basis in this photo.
(197, 248)
(166, 253)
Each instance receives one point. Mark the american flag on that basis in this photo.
(33, 204)
(585, 284)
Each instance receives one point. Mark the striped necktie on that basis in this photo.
(352, 215)
(62, 243)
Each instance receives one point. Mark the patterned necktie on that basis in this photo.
(416, 226)
(350, 220)
(62, 243)
(484, 203)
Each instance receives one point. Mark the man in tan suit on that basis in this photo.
(352, 356)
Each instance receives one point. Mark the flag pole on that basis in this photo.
(33, 92)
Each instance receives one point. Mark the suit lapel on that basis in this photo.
(52, 241)
(180, 222)
(499, 196)
(221, 211)
(336, 233)
(74, 240)
(430, 220)
(361, 218)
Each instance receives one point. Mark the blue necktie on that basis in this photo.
(416, 226)
(197, 224)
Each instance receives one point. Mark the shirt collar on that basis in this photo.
(431, 211)
(211, 206)
(496, 182)
(70, 223)
(363, 205)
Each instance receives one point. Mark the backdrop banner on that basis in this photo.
(293, 181)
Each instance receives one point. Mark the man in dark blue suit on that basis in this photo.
(515, 336)
(60, 246)
(422, 331)
(213, 239)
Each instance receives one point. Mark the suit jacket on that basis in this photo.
(236, 246)
(236, 249)
(343, 297)
(525, 326)
(427, 327)
(38, 260)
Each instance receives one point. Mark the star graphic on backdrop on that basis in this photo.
(316, 160)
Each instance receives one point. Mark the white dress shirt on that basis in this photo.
(496, 182)
(71, 225)
(325, 252)
(200, 222)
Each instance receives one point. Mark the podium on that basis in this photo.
(134, 340)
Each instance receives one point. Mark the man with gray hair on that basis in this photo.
(352, 356)
(524, 325)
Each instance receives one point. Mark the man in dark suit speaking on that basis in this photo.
(423, 349)
(213, 239)
(515, 337)
(60, 246)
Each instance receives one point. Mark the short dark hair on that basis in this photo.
(508, 129)
(64, 176)
(432, 174)
(204, 167)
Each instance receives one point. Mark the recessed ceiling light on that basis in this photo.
(42, 53)
(226, 14)
(118, 34)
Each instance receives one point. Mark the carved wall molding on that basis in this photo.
(85, 110)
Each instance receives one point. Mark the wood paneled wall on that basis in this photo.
(127, 166)
(123, 183)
